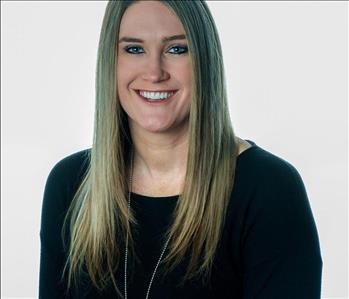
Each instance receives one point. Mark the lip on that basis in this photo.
(170, 90)
(156, 102)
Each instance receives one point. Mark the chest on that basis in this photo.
(158, 188)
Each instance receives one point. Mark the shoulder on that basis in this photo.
(71, 165)
(264, 167)
(60, 185)
(66, 173)
(276, 199)
(277, 172)
(265, 179)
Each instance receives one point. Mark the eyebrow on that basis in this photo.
(164, 40)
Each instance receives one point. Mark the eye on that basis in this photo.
(184, 49)
(128, 48)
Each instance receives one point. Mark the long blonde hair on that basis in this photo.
(98, 214)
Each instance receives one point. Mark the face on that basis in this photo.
(153, 65)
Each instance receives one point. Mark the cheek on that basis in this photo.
(187, 75)
(124, 79)
(123, 72)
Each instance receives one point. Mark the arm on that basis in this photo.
(281, 252)
(51, 253)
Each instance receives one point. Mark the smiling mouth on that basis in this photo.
(156, 101)
(173, 90)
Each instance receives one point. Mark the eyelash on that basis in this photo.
(178, 46)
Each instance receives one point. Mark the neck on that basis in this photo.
(159, 155)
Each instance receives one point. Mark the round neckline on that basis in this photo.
(141, 196)
(172, 197)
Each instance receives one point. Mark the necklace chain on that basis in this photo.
(157, 264)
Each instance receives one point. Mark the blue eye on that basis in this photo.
(184, 49)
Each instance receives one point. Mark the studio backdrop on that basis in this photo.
(286, 68)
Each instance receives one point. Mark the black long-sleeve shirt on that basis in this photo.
(269, 248)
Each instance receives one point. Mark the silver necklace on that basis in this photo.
(157, 264)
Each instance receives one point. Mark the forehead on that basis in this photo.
(150, 19)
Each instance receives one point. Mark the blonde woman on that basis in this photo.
(168, 202)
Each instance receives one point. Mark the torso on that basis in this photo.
(168, 187)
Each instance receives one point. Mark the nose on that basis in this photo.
(154, 69)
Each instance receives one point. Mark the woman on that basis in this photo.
(168, 202)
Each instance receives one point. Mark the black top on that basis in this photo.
(269, 248)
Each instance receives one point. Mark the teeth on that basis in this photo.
(156, 95)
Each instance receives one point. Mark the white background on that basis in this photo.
(286, 65)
